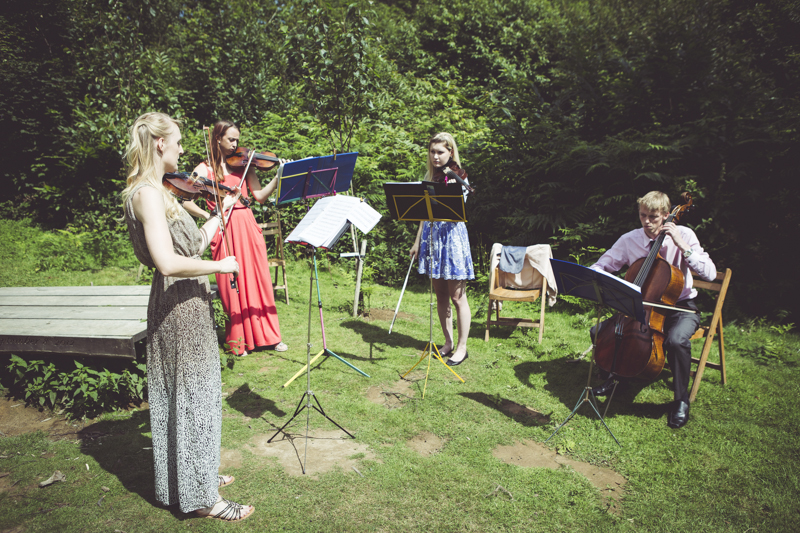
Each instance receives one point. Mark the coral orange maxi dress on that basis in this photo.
(253, 316)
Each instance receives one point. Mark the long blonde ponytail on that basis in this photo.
(140, 156)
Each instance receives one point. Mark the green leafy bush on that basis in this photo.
(79, 391)
(83, 249)
(766, 343)
(220, 316)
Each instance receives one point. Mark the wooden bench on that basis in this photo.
(77, 321)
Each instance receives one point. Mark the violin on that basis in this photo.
(632, 348)
(190, 186)
(261, 160)
(450, 173)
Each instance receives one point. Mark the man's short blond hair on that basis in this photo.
(655, 201)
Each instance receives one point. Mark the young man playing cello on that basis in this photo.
(682, 250)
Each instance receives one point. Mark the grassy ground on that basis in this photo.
(734, 467)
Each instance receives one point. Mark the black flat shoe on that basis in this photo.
(445, 355)
(450, 362)
(679, 416)
(604, 389)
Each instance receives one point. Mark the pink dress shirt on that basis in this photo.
(636, 244)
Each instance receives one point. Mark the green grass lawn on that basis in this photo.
(734, 467)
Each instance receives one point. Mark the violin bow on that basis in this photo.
(225, 218)
(218, 197)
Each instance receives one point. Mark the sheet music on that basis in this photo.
(328, 219)
(621, 280)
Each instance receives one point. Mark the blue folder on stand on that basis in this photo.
(577, 280)
(314, 177)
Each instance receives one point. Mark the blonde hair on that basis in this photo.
(655, 201)
(140, 155)
(449, 143)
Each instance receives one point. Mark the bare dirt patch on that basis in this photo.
(16, 418)
(327, 450)
(393, 396)
(229, 459)
(533, 455)
(426, 444)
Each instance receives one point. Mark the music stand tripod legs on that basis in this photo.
(325, 351)
(587, 391)
(305, 401)
(430, 348)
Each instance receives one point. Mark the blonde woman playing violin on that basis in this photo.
(183, 365)
(451, 264)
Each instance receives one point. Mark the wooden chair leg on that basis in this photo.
(722, 353)
(701, 365)
(285, 285)
(541, 312)
(488, 319)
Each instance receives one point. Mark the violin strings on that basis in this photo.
(651, 257)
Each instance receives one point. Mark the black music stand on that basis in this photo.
(604, 289)
(426, 201)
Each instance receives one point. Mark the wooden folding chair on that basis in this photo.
(498, 294)
(279, 262)
(720, 285)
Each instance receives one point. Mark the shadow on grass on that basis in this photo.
(566, 381)
(373, 334)
(499, 333)
(122, 449)
(251, 404)
(519, 413)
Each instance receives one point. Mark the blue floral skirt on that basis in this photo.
(451, 255)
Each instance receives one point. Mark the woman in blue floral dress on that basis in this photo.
(451, 264)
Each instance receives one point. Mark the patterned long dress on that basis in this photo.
(183, 374)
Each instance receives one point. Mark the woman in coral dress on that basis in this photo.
(253, 318)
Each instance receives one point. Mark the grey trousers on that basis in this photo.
(679, 328)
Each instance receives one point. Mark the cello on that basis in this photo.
(635, 349)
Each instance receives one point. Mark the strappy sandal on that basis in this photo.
(233, 512)
(223, 483)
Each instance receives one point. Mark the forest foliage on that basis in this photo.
(565, 112)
